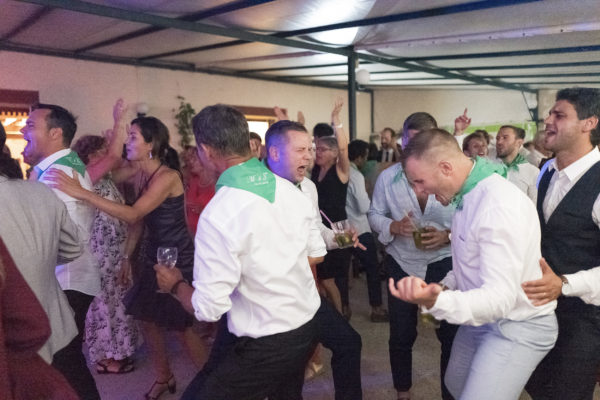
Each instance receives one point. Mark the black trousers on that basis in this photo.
(70, 360)
(336, 334)
(568, 372)
(244, 368)
(403, 328)
(368, 259)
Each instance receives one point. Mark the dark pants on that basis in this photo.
(568, 372)
(403, 328)
(244, 368)
(70, 360)
(336, 334)
(368, 260)
(342, 261)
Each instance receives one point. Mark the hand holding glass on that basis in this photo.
(167, 256)
(343, 233)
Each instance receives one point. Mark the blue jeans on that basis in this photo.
(494, 361)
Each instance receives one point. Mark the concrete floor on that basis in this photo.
(376, 376)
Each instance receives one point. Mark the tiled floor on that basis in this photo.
(376, 377)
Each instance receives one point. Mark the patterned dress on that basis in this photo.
(109, 332)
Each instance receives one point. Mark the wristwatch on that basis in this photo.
(566, 286)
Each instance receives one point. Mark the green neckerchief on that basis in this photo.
(519, 159)
(72, 160)
(399, 175)
(251, 176)
(481, 170)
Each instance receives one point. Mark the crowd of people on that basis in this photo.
(495, 241)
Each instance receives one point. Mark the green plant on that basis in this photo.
(183, 118)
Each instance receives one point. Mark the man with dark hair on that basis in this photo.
(389, 148)
(357, 206)
(397, 214)
(569, 213)
(322, 129)
(254, 243)
(509, 141)
(288, 154)
(495, 248)
(49, 131)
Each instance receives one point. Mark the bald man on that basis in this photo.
(495, 248)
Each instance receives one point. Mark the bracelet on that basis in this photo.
(176, 286)
(336, 126)
(125, 257)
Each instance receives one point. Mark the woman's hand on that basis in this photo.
(124, 275)
(61, 181)
(335, 114)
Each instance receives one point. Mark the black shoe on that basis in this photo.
(382, 316)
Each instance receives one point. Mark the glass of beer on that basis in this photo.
(343, 233)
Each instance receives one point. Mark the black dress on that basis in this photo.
(165, 227)
(332, 201)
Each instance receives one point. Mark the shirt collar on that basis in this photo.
(578, 167)
(48, 161)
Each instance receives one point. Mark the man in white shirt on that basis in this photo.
(388, 152)
(254, 243)
(49, 131)
(569, 213)
(495, 248)
(288, 155)
(396, 210)
(357, 206)
(508, 145)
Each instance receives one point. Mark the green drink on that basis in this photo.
(418, 238)
(343, 239)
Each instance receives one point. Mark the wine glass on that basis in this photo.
(166, 256)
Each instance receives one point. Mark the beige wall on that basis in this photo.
(484, 106)
(89, 90)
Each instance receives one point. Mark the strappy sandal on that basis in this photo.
(170, 385)
(125, 366)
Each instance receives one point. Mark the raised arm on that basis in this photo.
(343, 162)
(461, 123)
(115, 141)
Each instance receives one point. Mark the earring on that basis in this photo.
(150, 155)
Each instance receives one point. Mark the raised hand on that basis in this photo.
(461, 123)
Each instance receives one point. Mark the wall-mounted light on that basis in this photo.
(142, 109)
(363, 76)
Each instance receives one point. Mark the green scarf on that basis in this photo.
(72, 160)
(481, 170)
(251, 176)
(519, 159)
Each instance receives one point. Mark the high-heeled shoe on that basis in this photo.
(170, 384)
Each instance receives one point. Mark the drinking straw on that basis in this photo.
(409, 218)
(326, 217)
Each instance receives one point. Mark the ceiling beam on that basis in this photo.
(29, 21)
(432, 12)
(527, 66)
(4, 46)
(197, 16)
(164, 22)
(565, 75)
(496, 54)
(127, 15)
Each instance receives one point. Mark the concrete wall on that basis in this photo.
(89, 90)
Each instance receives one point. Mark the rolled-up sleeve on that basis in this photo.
(217, 272)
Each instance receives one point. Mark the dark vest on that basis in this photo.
(570, 238)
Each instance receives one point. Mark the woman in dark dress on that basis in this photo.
(161, 206)
(330, 174)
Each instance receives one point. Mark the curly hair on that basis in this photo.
(88, 145)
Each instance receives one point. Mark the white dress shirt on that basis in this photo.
(83, 274)
(393, 197)
(584, 284)
(357, 201)
(525, 179)
(495, 248)
(251, 261)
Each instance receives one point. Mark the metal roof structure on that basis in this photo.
(514, 44)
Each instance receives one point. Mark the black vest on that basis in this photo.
(570, 238)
